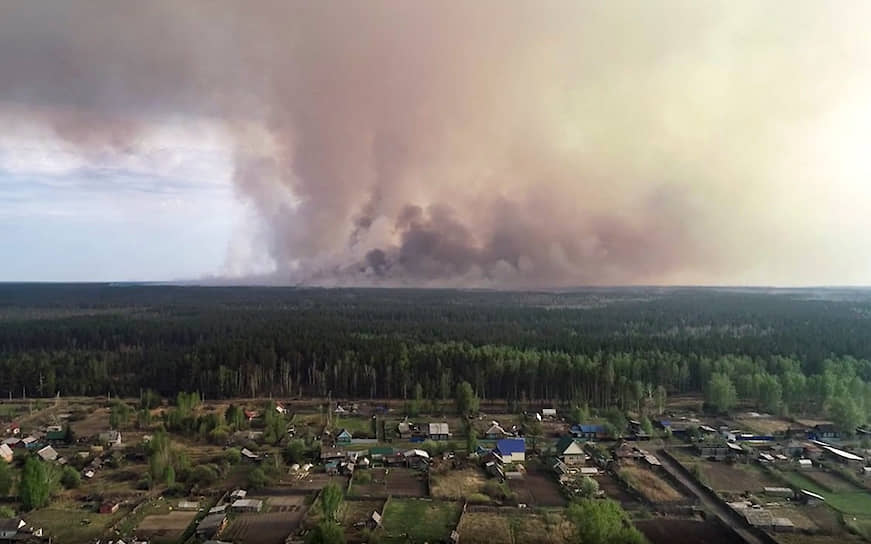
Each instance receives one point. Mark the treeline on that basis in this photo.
(598, 347)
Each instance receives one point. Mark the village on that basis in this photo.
(407, 476)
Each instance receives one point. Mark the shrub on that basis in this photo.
(233, 455)
(70, 478)
(478, 498)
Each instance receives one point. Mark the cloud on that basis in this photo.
(491, 143)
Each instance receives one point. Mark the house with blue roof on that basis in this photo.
(588, 432)
(344, 437)
(512, 450)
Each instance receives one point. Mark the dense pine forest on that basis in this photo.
(782, 350)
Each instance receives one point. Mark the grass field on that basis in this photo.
(420, 520)
(853, 503)
(67, 522)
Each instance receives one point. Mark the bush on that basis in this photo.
(362, 477)
(233, 455)
(70, 478)
(6, 512)
(478, 498)
(256, 478)
(205, 475)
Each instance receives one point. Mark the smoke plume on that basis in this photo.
(487, 143)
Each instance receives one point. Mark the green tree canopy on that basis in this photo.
(466, 400)
(720, 393)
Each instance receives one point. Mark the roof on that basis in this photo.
(588, 428)
(416, 453)
(248, 453)
(11, 524)
(381, 450)
(241, 493)
(376, 517)
(438, 428)
(568, 446)
(212, 521)
(495, 429)
(847, 456)
(548, 411)
(734, 447)
(812, 495)
(344, 433)
(805, 462)
(507, 446)
(5, 451)
(56, 435)
(247, 503)
(47, 453)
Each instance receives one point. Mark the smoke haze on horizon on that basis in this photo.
(485, 144)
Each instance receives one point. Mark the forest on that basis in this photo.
(784, 351)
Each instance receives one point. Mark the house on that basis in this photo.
(109, 507)
(570, 452)
(416, 458)
(56, 435)
(344, 437)
(439, 431)
(495, 432)
(6, 453)
(13, 442)
(29, 442)
(47, 454)
(512, 450)
(211, 525)
(110, 438)
(9, 528)
(588, 432)
(548, 413)
(824, 431)
(247, 505)
(404, 429)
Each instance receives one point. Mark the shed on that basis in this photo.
(778, 491)
(810, 498)
(247, 505)
(109, 507)
(439, 431)
(110, 438)
(249, 455)
(238, 494)
(805, 464)
(188, 505)
(548, 412)
(211, 525)
(495, 431)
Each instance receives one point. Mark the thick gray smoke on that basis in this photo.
(475, 143)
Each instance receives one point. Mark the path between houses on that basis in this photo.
(729, 517)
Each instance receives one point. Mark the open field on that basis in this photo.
(550, 528)
(70, 523)
(520, 528)
(538, 489)
(485, 528)
(96, 421)
(271, 528)
(650, 484)
(764, 425)
(683, 531)
(395, 481)
(166, 527)
(318, 480)
(733, 478)
(420, 520)
(854, 503)
(457, 484)
(832, 482)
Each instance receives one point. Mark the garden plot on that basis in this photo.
(684, 531)
(538, 489)
(651, 485)
(271, 528)
(457, 484)
(165, 527)
(398, 482)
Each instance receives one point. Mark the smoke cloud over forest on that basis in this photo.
(488, 143)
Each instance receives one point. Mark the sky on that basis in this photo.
(490, 144)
